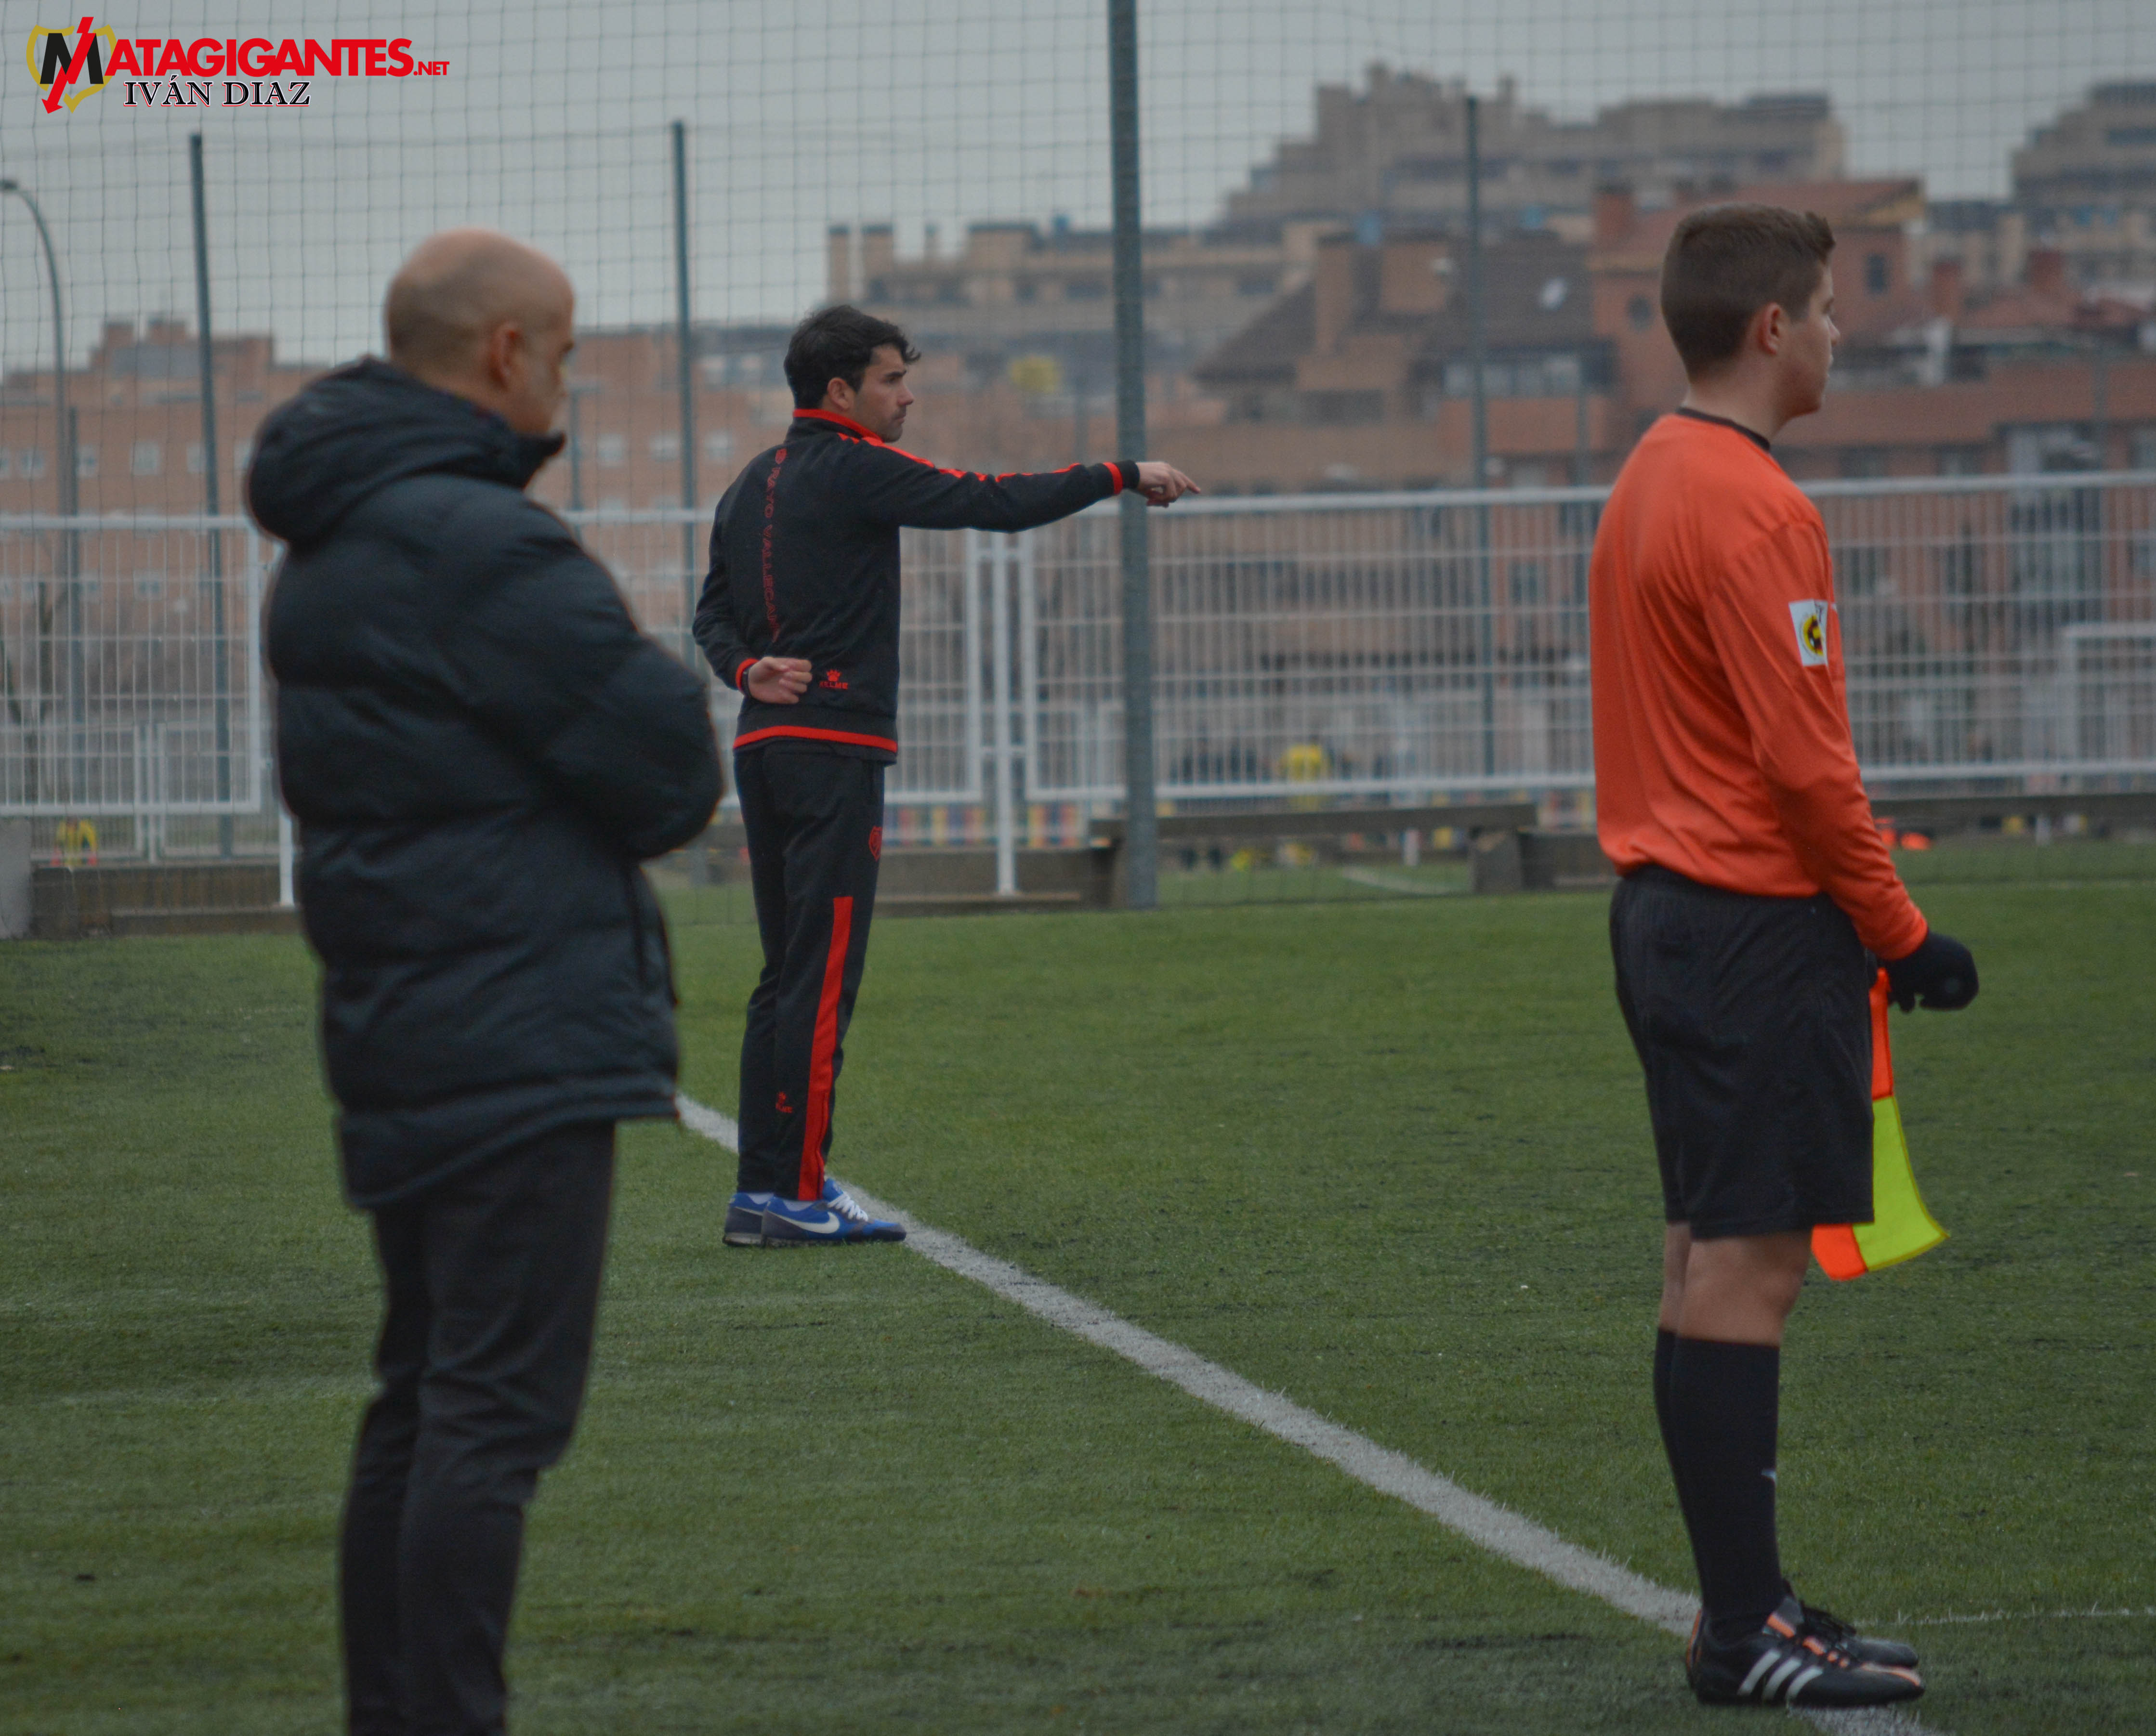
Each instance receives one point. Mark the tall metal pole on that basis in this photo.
(78, 657)
(684, 375)
(1001, 563)
(685, 378)
(1142, 827)
(1476, 356)
(205, 358)
(1582, 459)
(579, 390)
(1078, 412)
(60, 430)
(63, 480)
(2099, 403)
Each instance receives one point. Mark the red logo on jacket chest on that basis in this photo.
(875, 843)
(833, 679)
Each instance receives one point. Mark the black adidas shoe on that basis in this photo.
(1786, 1663)
(1866, 1649)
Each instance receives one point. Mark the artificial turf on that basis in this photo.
(1389, 1157)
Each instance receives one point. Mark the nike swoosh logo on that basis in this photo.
(828, 1222)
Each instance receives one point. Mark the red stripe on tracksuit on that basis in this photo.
(823, 1071)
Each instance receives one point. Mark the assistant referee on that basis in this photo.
(1756, 901)
(800, 613)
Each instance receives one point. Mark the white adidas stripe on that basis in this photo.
(1498, 1529)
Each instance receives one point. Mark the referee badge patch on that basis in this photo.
(1809, 620)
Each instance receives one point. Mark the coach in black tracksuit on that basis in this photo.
(800, 613)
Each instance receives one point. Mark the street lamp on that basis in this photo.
(62, 453)
(63, 457)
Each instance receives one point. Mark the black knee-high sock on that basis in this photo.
(1724, 1408)
(1665, 1348)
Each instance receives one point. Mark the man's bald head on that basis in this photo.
(477, 313)
(457, 287)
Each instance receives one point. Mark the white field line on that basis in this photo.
(2090, 1614)
(1383, 882)
(1498, 1529)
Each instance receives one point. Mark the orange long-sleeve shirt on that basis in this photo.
(1722, 741)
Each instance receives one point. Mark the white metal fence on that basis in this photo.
(131, 672)
(1377, 647)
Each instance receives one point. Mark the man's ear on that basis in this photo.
(499, 358)
(1770, 328)
(839, 394)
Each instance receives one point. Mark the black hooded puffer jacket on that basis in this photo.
(479, 748)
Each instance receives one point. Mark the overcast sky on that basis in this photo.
(552, 123)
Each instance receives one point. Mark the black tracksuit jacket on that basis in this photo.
(804, 563)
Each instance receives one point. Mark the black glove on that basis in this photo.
(1940, 974)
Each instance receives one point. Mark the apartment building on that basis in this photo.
(1394, 154)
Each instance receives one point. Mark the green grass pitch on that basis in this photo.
(1389, 1157)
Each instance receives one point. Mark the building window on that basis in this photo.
(1515, 376)
(147, 458)
(1859, 572)
(1961, 461)
(1640, 312)
(86, 461)
(1878, 273)
(1343, 407)
(2142, 444)
(614, 451)
(33, 460)
(1863, 461)
(194, 458)
(2043, 450)
(150, 585)
(243, 454)
(6, 462)
(719, 445)
(667, 447)
(1085, 289)
(1257, 282)
(1524, 580)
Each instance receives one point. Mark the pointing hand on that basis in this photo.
(1161, 483)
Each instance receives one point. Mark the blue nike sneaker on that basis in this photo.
(834, 1218)
(745, 1220)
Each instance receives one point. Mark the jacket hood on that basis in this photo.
(354, 432)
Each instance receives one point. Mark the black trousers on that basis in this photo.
(493, 1284)
(815, 834)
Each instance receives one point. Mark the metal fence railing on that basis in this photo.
(1402, 646)
(130, 672)
(1375, 647)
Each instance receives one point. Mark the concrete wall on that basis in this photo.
(15, 899)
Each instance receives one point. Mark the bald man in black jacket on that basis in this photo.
(481, 748)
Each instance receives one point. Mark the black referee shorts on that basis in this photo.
(1753, 1020)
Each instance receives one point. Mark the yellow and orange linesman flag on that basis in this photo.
(1901, 1228)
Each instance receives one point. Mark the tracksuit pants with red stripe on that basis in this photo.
(815, 831)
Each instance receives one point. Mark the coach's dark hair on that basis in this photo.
(1726, 262)
(838, 343)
